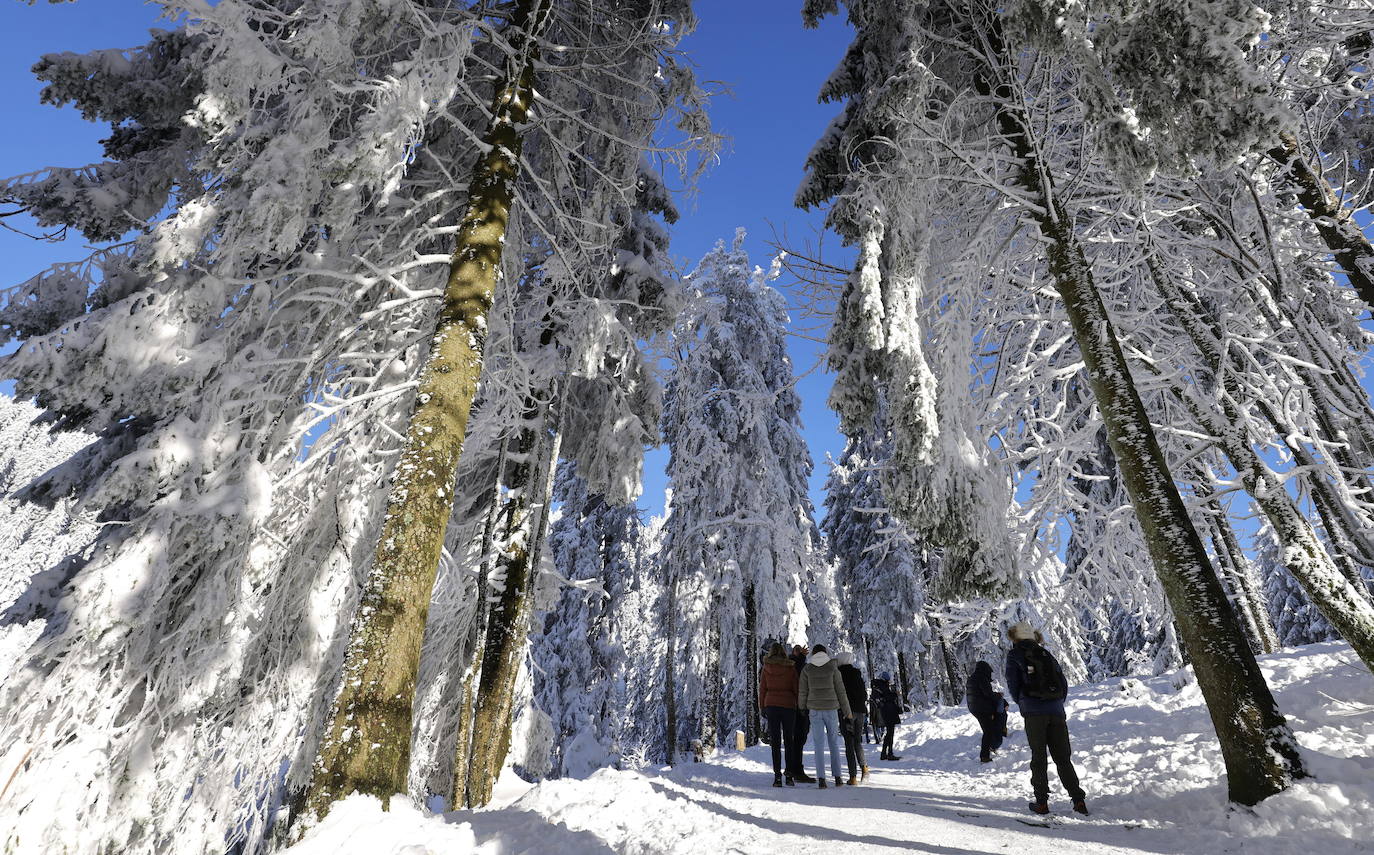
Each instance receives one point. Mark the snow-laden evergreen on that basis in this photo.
(740, 550)
(247, 362)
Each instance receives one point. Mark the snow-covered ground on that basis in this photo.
(1143, 749)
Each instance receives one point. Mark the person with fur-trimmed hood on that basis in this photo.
(823, 697)
(1037, 684)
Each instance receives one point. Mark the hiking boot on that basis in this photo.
(803, 778)
(790, 781)
(822, 783)
(852, 780)
(1041, 808)
(839, 782)
(865, 774)
(984, 759)
(1080, 806)
(777, 780)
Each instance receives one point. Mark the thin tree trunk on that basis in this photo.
(1332, 220)
(751, 651)
(1257, 745)
(366, 748)
(952, 691)
(670, 676)
(903, 675)
(508, 623)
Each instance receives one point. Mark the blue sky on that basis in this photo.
(757, 48)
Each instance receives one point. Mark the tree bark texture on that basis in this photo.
(366, 748)
(1257, 745)
(1333, 221)
(507, 633)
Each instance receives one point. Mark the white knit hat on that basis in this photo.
(1021, 631)
(845, 658)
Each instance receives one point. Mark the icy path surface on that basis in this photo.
(1143, 748)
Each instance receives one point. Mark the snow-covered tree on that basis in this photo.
(249, 362)
(740, 550)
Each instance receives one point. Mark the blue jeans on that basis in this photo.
(829, 722)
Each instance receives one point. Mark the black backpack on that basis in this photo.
(1041, 677)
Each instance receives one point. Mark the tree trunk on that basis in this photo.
(1333, 221)
(366, 748)
(669, 676)
(952, 689)
(903, 676)
(751, 651)
(1257, 745)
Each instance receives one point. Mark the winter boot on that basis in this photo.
(822, 783)
(777, 780)
(839, 782)
(893, 757)
(852, 780)
(865, 774)
(790, 781)
(803, 778)
(984, 759)
(1041, 808)
(1080, 806)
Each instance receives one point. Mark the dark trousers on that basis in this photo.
(992, 725)
(1049, 734)
(853, 730)
(889, 731)
(781, 722)
(796, 746)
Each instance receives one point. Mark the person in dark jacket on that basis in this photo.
(1040, 695)
(853, 730)
(778, 700)
(889, 713)
(987, 706)
(801, 728)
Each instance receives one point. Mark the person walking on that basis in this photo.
(823, 698)
(1037, 684)
(889, 708)
(796, 747)
(778, 699)
(853, 729)
(987, 706)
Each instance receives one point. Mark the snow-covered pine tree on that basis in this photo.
(740, 547)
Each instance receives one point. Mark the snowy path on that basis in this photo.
(1142, 747)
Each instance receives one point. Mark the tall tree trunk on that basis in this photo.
(670, 676)
(952, 689)
(504, 646)
(751, 652)
(1257, 745)
(903, 675)
(366, 748)
(1332, 220)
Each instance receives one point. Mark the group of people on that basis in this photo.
(826, 696)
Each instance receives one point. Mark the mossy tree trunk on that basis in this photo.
(1257, 745)
(366, 748)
